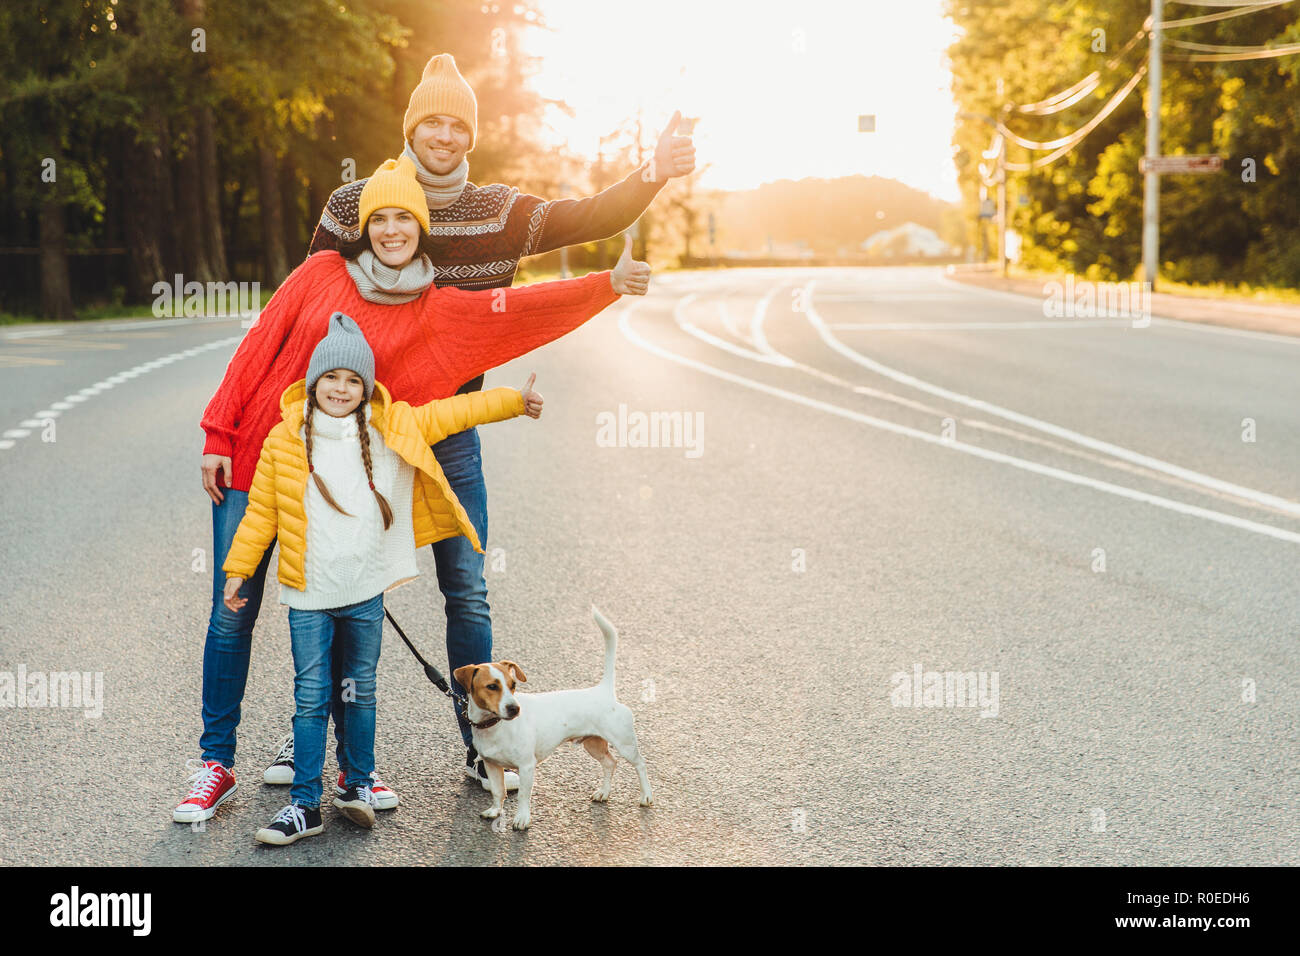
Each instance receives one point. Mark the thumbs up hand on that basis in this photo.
(532, 400)
(629, 276)
(674, 155)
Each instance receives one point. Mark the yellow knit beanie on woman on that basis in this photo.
(393, 184)
(441, 91)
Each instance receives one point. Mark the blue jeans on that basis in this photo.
(460, 575)
(358, 630)
(230, 636)
(460, 567)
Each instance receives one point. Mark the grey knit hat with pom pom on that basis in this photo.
(343, 347)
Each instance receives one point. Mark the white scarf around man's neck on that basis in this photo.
(440, 191)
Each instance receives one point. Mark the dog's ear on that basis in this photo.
(519, 671)
(465, 676)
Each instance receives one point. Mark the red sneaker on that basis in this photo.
(385, 799)
(210, 784)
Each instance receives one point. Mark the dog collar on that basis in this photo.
(494, 719)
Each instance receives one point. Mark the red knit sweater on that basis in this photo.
(423, 349)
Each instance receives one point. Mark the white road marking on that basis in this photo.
(1156, 464)
(57, 408)
(679, 315)
(1184, 324)
(729, 322)
(974, 450)
(1021, 436)
(33, 333)
(978, 326)
(93, 327)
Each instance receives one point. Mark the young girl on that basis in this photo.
(347, 536)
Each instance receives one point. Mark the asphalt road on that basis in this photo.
(891, 473)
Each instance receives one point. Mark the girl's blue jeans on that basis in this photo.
(227, 647)
(356, 630)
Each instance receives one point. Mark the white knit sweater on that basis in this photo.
(351, 559)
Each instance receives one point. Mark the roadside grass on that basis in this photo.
(104, 313)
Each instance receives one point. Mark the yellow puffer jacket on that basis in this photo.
(275, 500)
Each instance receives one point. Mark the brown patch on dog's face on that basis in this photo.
(512, 671)
(465, 675)
(486, 690)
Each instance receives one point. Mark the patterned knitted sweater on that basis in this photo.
(423, 348)
(481, 237)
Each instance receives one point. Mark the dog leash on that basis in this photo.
(431, 672)
(436, 678)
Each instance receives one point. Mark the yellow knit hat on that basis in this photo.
(393, 184)
(441, 90)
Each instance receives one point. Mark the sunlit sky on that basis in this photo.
(777, 86)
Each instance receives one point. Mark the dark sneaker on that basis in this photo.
(280, 773)
(358, 805)
(210, 784)
(385, 798)
(290, 825)
(475, 770)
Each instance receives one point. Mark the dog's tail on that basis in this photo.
(611, 646)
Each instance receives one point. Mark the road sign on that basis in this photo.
(867, 123)
(1180, 164)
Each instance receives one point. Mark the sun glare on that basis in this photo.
(777, 86)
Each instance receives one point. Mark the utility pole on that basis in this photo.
(1002, 190)
(997, 150)
(1151, 180)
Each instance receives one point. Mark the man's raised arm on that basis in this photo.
(569, 222)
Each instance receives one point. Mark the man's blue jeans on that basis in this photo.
(230, 636)
(460, 567)
(357, 631)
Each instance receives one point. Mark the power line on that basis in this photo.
(1245, 53)
(1222, 3)
(1068, 143)
(1211, 17)
(1073, 94)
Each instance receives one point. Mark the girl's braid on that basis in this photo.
(363, 430)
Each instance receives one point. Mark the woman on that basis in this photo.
(426, 342)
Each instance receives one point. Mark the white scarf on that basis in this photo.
(325, 425)
(440, 191)
(385, 285)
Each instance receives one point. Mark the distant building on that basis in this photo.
(905, 242)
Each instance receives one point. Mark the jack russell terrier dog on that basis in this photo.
(519, 731)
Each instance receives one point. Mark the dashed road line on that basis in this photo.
(57, 408)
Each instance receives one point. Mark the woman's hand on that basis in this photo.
(629, 276)
(210, 465)
(231, 596)
(532, 400)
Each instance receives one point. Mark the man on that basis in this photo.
(480, 234)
